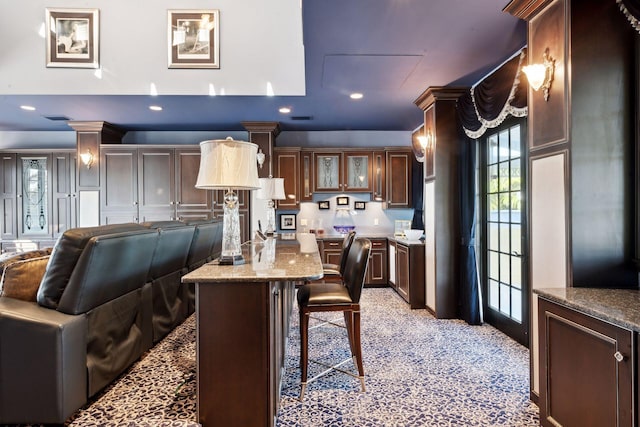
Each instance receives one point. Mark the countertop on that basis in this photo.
(291, 257)
(618, 306)
(368, 235)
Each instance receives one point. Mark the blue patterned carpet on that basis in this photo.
(419, 372)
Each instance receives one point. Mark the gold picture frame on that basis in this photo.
(193, 38)
(72, 38)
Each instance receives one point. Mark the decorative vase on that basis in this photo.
(342, 221)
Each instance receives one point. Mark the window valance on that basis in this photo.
(491, 101)
(631, 9)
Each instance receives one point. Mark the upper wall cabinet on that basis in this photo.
(398, 178)
(287, 166)
(151, 184)
(343, 171)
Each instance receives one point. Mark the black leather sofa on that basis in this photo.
(74, 319)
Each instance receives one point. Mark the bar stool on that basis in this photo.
(334, 271)
(336, 296)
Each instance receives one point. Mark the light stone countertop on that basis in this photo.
(289, 257)
(620, 307)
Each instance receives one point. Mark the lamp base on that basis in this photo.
(231, 260)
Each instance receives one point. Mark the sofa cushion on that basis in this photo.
(21, 278)
(64, 257)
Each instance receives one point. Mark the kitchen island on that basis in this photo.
(242, 315)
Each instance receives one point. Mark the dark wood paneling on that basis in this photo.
(287, 166)
(549, 119)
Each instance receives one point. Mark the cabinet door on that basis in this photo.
(34, 194)
(379, 177)
(357, 176)
(377, 268)
(586, 369)
(190, 201)
(332, 251)
(306, 176)
(328, 169)
(156, 184)
(64, 186)
(8, 197)
(402, 271)
(119, 179)
(287, 166)
(398, 170)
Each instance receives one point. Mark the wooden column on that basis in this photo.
(264, 135)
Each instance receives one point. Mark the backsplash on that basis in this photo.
(372, 219)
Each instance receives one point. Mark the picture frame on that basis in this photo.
(72, 37)
(359, 206)
(342, 201)
(287, 221)
(193, 38)
(324, 205)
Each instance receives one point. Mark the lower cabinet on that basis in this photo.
(376, 275)
(586, 369)
(406, 272)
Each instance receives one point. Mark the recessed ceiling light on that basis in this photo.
(285, 110)
(155, 108)
(28, 107)
(356, 95)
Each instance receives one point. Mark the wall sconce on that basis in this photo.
(541, 75)
(260, 157)
(87, 158)
(426, 141)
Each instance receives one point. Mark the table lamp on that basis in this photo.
(227, 164)
(271, 189)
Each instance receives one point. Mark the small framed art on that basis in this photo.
(194, 38)
(287, 221)
(72, 38)
(324, 205)
(359, 206)
(342, 201)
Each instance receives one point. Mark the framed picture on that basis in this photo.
(194, 38)
(342, 201)
(287, 221)
(324, 205)
(72, 38)
(359, 206)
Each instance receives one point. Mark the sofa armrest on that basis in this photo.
(43, 374)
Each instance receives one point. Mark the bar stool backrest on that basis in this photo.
(346, 245)
(356, 267)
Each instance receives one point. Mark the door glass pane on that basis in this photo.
(494, 266)
(35, 215)
(505, 298)
(516, 272)
(516, 305)
(493, 149)
(493, 230)
(515, 174)
(505, 268)
(494, 300)
(503, 151)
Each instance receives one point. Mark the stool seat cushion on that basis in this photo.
(318, 294)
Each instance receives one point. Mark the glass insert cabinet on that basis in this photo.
(337, 172)
(33, 205)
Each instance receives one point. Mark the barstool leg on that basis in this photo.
(304, 350)
(357, 345)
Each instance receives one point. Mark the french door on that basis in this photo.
(503, 216)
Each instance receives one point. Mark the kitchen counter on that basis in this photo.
(618, 306)
(405, 241)
(242, 322)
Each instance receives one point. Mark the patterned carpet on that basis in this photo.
(419, 372)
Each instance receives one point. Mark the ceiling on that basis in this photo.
(389, 50)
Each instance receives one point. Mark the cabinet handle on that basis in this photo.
(618, 356)
(19, 196)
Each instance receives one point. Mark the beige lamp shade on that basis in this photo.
(271, 189)
(227, 164)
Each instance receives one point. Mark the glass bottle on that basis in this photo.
(343, 221)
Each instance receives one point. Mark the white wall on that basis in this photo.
(260, 42)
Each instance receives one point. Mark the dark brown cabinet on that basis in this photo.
(8, 196)
(337, 171)
(64, 192)
(586, 369)
(287, 166)
(406, 272)
(377, 268)
(398, 178)
(152, 184)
